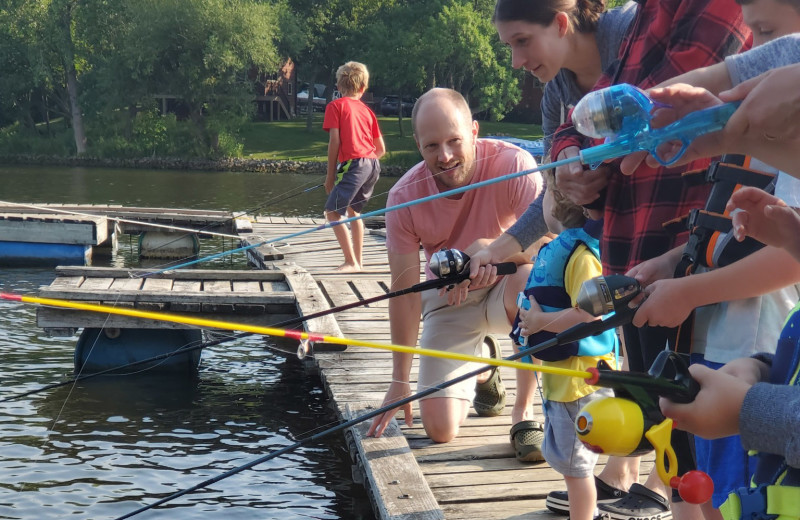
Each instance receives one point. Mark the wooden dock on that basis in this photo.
(251, 297)
(408, 476)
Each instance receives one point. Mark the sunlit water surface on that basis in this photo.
(106, 446)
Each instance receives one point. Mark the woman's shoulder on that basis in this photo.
(611, 30)
(615, 22)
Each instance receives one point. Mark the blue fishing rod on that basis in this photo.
(621, 114)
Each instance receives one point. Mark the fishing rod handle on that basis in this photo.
(668, 377)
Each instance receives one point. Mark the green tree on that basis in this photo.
(334, 33)
(418, 44)
(471, 59)
(397, 50)
(101, 62)
(199, 52)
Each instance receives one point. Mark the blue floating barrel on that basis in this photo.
(29, 254)
(102, 349)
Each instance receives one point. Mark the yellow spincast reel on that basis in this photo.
(621, 427)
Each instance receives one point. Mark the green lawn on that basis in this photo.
(289, 140)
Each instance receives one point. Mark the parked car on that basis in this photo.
(390, 104)
(319, 99)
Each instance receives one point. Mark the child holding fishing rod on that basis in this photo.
(666, 38)
(756, 396)
(558, 272)
(716, 325)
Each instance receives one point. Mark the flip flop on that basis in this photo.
(526, 439)
(490, 396)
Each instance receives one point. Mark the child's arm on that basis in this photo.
(766, 218)
(535, 320)
(333, 155)
(657, 268)
(765, 415)
(380, 147)
(581, 266)
(748, 130)
(669, 302)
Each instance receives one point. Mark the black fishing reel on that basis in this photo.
(603, 294)
(449, 264)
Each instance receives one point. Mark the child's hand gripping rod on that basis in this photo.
(631, 423)
(622, 114)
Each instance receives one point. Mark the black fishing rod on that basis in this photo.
(620, 317)
(447, 279)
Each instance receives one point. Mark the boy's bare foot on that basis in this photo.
(348, 268)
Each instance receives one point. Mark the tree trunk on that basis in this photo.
(400, 112)
(46, 114)
(310, 107)
(72, 83)
(132, 111)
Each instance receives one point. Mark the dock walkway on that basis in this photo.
(408, 476)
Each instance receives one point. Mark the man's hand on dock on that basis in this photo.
(397, 390)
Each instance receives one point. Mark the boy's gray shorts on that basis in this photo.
(561, 447)
(357, 180)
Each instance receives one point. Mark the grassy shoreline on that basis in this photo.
(271, 147)
(289, 140)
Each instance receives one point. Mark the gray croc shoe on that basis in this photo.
(639, 503)
(490, 396)
(526, 439)
(558, 501)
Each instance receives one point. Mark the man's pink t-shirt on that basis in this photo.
(456, 223)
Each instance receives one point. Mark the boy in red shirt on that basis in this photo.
(354, 147)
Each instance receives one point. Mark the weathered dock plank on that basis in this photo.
(474, 476)
(396, 486)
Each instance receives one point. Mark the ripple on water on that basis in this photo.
(104, 447)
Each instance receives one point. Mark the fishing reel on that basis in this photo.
(604, 294)
(451, 264)
(448, 263)
(622, 113)
(613, 111)
(631, 423)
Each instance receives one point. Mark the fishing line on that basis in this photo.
(429, 284)
(277, 199)
(449, 193)
(569, 334)
(117, 219)
(190, 261)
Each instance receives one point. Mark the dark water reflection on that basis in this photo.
(106, 446)
(275, 194)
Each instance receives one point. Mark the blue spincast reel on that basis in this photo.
(622, 114)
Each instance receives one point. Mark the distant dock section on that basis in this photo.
(55, 234)
(39, 239)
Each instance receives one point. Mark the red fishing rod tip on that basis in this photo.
(9, 296)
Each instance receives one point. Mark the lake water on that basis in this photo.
(104, 447)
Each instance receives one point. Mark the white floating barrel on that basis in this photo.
(161, 244)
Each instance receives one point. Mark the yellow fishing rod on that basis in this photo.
(636, 406)
(303, 337)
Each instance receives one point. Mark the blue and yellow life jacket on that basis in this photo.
(546, 285)
(774, 492)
